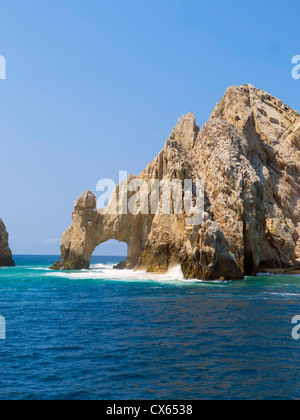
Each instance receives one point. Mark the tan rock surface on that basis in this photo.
(5, 252)
(248, 155)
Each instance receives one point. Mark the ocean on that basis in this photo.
(107, 334)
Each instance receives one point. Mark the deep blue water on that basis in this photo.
(106, 335)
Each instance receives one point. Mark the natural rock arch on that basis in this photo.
(92, 227)
(248, 154)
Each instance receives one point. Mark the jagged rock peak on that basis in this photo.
(186, 131)
(5, 252)
(238, 103)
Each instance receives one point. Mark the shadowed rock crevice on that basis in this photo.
(248, 156)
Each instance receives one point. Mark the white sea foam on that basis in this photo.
(284, 294)
(277, 275)
(106, 272)
(264, 274)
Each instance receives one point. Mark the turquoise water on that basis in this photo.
(105, 334)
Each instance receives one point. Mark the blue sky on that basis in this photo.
(94, 87)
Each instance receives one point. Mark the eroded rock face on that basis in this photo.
(249, 157)
(5, 252)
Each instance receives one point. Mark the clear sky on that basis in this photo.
(94, 87)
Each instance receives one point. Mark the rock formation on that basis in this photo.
(5, 252)
(248, 155)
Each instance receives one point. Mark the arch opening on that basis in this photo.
(110, 252)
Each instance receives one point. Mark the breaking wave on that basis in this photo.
(107, 272)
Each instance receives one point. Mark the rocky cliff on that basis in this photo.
(248, 155)
(5, 252)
